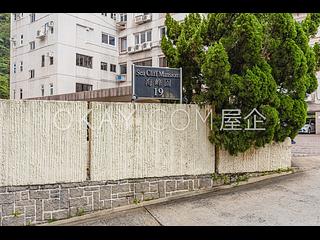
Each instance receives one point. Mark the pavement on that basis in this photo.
(306, 145)
(292, 199)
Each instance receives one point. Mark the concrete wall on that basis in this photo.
(32, 148)
(136, 148)
(127, 141)
(269, 158)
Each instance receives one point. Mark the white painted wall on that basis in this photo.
(139, 150)
(269, 158)
(34, 151)
(128, 141)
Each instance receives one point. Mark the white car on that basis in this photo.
(308, 128)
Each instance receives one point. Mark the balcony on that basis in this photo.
(121, 22)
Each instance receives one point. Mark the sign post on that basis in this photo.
(156, 83)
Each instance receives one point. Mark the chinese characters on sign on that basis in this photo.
(157, 83)
(231, 120)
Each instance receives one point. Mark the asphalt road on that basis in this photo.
(288, 200)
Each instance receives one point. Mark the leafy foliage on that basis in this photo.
(4, 54)
(245, 61)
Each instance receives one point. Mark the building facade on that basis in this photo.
(60, 53)
(313, 99)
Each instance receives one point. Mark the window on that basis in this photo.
(83, 87)
(51, 30)
(21, 66)
(113, 68)
(149, 36)
(14, 94)
(123, 68)
(31, 73)
(14, 42)
(51, 88)
(104, 66)
(113, 16)
(21, 39)
(51, 60)
(123, 17)
(32, 17)
(104, 38)
(21, 93)
(108, 39)
(112, 40)
(123, 44)
(32, 45)
(43, 60)
(104, 14)
(42, 90)
(14, 68)
(144, 63)
(83, 61)
(136, 39)
(143, 37)
(162, 31)
(163, 62)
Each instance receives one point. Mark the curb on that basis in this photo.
(102, 213)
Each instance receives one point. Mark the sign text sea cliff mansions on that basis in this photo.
(157, 83)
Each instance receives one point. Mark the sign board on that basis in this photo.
(157, 83)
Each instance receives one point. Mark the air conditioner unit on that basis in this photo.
(146, 45)
(121, 78)
(138, 19)
(50, 24)
(137, 48)
(147, 17)
(130, 49)
(41, 33)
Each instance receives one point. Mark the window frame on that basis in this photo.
(145, 34)
(126, 44)
(43, 60)
(104, 66)
(14, 67)
(51, 89)
(126, 68)
(32, 45)
(42, 90)
(32, 73)
(32, 17)
(113, 67)
(88, 87)
(84, 61)
(105, 39)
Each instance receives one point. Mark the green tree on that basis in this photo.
(4, 54)
(246, 61)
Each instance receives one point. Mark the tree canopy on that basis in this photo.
(246, 61)
(4, 54)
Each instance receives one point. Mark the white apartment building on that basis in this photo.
(315, 96)
(59, 53)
